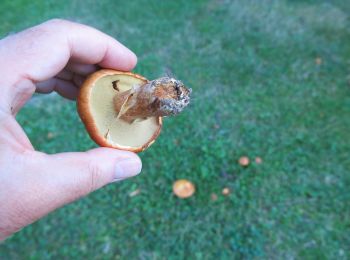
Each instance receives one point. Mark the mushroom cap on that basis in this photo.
(243, 161)
(258, 160)
(97, 111)
(183, 188)
(226, 191)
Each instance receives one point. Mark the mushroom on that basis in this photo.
(243, 161)
(124, 110)
(183, 188)
(225, 191)
(258, 160)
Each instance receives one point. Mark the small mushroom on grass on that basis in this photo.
(258, 160)
(183, 188)
(213, 197)
(226, 191)
(243, 161)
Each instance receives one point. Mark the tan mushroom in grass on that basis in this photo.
(183, 188)
(124, 110)
(244, 161)
(225, 191)
(258, 160)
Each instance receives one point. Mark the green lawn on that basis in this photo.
(269, 79)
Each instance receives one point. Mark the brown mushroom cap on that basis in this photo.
(97, 111)
(243, 161)
(225, 191)
(183, 188)
(258, 160)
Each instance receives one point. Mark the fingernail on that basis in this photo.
(127, 168)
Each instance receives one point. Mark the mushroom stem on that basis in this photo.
(161, 97)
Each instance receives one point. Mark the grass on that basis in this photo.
(258, 90)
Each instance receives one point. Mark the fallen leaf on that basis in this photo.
(50, 135)
(134, 193)
(318, 61)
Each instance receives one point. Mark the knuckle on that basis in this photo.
(95, 175)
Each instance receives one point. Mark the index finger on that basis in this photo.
(41, 52)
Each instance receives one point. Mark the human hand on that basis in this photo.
(54, 56)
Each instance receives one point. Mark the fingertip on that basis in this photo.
(127, 168)
(133, 60)
(126, 164)
(130, 58)
(134, 159)
(118, 57)
(118, 154)
(138, 161)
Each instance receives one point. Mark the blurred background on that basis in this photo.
(270, 79)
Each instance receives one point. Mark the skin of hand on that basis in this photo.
(53, 56)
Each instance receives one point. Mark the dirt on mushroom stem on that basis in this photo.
(161, 97)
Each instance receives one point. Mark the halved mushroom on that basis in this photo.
(124, 110)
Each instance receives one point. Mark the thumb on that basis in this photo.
(50, 181)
